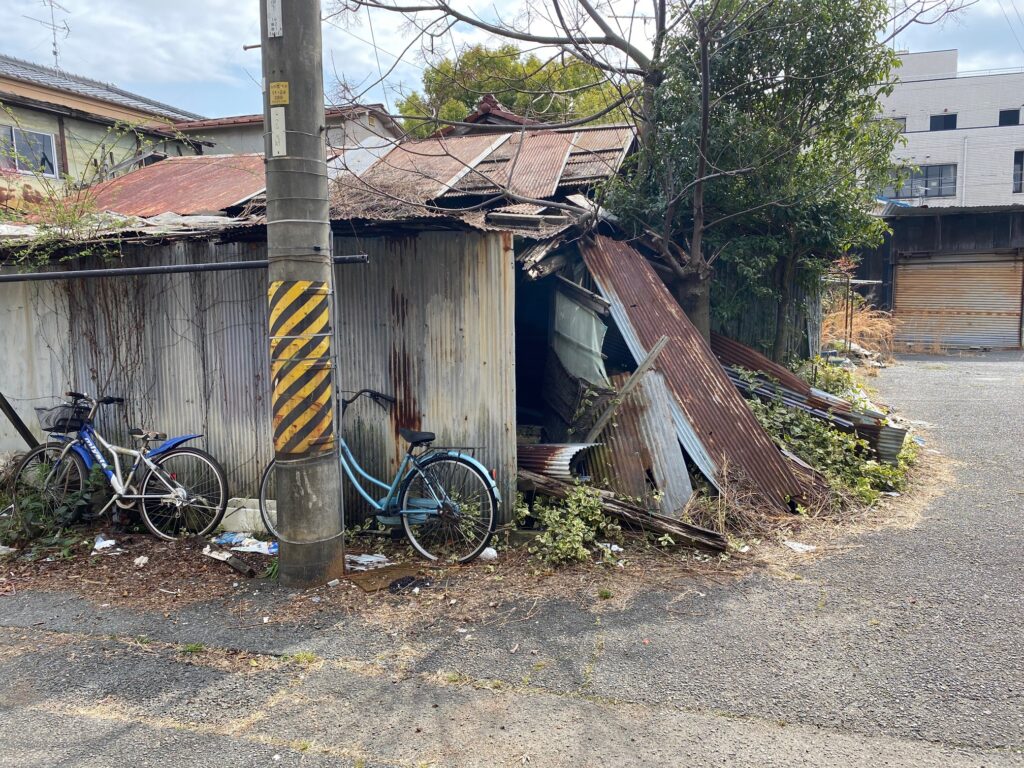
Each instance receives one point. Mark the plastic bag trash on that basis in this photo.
(102, 542)
(243, 542)
(489, 554)
(613, 548)
(919, 440)
(6, 550)
(366, 562)
(141, 561)
(796, 546)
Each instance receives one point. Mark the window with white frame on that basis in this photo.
(27, 151)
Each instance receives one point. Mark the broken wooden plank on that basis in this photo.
(628, 387)
(630, 514)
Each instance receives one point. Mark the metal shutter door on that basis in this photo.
(965, 303)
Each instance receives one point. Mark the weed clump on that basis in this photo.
(571, 526)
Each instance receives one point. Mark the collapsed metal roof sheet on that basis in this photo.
(533, 164)
(717, 429)
(552, 459)
(190, 185)
(733, 353)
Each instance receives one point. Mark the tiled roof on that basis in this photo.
(16, 69)
(233, 120)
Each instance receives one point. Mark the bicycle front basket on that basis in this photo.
(62, 418)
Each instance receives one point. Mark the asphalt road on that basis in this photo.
(899, 648)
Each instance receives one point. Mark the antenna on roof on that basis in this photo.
(54, 27)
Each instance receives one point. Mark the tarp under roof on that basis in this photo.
(717, 429)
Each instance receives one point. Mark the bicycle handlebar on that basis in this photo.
(373, 394)
(101, 401)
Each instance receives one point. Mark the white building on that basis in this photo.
(953, 268)
(963, 132)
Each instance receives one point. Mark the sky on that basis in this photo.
(188, 53)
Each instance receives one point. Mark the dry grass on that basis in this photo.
(873, 329)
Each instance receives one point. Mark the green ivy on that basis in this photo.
(844, 459)
(572, 526)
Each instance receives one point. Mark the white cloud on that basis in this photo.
(189, 52)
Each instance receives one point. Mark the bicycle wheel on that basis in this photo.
(189, 494)
(448, 509)
(268, 499)
(49, 489)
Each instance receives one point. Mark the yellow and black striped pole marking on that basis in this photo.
(300, 364)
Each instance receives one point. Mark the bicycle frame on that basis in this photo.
(352, 468)
(87, 445)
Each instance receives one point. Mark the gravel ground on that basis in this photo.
(898, 648)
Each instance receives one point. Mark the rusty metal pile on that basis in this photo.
(636, 402)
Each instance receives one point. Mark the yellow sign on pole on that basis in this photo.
(279, 93)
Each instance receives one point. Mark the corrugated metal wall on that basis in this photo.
(959, 301)
(430, 319)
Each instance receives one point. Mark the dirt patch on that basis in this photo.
(176, 573)
(508, 591)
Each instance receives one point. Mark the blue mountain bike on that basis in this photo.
(178, 490)
(446, 500)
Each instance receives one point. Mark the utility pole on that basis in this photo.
(300, 294)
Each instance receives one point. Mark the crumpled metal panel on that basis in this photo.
(717, 429)
(552, 459)
(191, 185)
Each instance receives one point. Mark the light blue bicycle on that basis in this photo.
(446, 500)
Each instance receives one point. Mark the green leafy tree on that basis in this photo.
(554, 90)
(765, 152)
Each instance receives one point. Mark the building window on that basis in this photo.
(927, 181)
(1018, 171)
(1009, 116)
(943, 123)
(901, 122)
(27, 151)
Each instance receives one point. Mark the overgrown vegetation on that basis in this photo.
(572, 527)
(845, 460)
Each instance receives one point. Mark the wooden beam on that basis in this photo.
(629, 386)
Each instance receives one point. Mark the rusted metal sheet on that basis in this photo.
(431, 320)
(714, 425)
(641, 452)
(183, 185)
(597, 153)
(531, 164)
(527, 164)
(422, 170)
(557, 460)
(969, 301)
(732, 353)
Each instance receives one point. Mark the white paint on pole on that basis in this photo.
(278, 143)
(275, 27)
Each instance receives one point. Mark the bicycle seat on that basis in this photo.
(142, 434)
(415, 438)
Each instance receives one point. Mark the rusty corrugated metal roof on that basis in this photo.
(715, 426)
(184, 185)
(532, 164)
(552, 459)
(529, 165)
(733, 353)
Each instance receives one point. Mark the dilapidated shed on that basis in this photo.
(494, 304)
